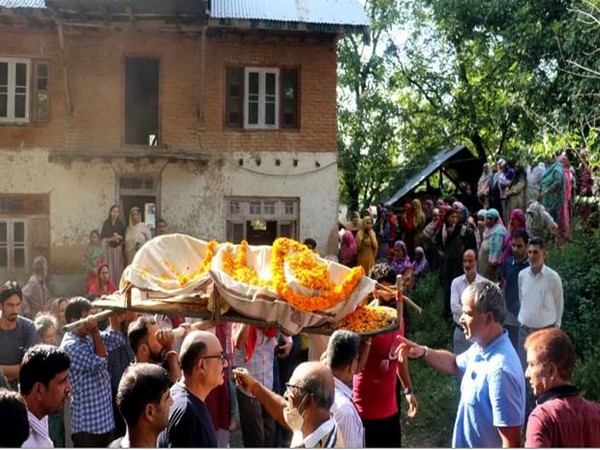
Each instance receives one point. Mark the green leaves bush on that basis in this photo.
(579, 268)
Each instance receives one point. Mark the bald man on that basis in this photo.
(305, 407)
(202, 364)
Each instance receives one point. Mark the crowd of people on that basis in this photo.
(140, 380)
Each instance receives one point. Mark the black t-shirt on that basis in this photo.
(190, 424)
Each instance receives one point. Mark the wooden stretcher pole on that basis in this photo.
(399, 301)
(98, 316)
(408, 301)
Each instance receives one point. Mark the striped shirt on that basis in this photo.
(38, 433)
(346, 416)
(326, 436)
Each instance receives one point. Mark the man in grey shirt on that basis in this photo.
(17, 333)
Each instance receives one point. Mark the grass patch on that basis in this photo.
(436, 392)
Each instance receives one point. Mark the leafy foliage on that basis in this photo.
(579, 269)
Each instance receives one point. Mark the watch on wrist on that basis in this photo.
(408, 391)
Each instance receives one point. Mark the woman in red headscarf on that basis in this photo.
(407, 229)
(515, 222)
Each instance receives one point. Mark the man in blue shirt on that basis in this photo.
(491, 410)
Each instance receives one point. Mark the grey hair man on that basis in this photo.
(341, 357)
(491, 409)
(305, 408)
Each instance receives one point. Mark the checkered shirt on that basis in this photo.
(91, 405)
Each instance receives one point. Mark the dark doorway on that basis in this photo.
(261, 232)
(141, 101)
(129, 201)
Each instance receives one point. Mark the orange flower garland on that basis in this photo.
(184, 279)
(368, 318)
(301, 268)
(237, 267)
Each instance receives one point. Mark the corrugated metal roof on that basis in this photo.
(13, 4)
(464, 161)
(335, 12)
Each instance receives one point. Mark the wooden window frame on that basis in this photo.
(37, 115)
(243, 72)
(11, 88)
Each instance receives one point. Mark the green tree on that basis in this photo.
(367, 114)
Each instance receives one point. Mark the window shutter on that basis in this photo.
(41, 91)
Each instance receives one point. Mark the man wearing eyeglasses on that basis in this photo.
(305, 407)
(202, 363)
(17, 333)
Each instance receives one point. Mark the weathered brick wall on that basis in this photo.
(95, 60)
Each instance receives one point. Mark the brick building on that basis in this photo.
(219, 114)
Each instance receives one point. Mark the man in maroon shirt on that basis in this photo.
(562, 417)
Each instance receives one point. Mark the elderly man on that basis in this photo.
(44, 384)
(17, 333)
(458, 286)
(305, 406)
(202, 363)
(341, 357)
(562, 417)
(144, 400)
(491, 409)
(36, 295)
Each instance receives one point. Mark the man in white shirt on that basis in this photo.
(341, 357)
(305, 408)
(540, 294)
(458, 286)
(44, 384)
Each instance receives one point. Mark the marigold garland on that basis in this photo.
(184, 279)
(367, 319)
(236, 267)
(303, 271)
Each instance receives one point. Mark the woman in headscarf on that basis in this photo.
(366, 244)
(348, 250)
(564, 222)
(516, 191)
(490, 253)
(534, 179)
(483, 186)
(552, 190)
(420, 264)
(94, 255)
(137, 234)
(104, 285)
(401, 264)
(354, 224)
(113, 235)
(382, 231)
(451, 241)
(419, 221)
(540, 223)
(516, 222)
(407, 228)
(428, 210)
